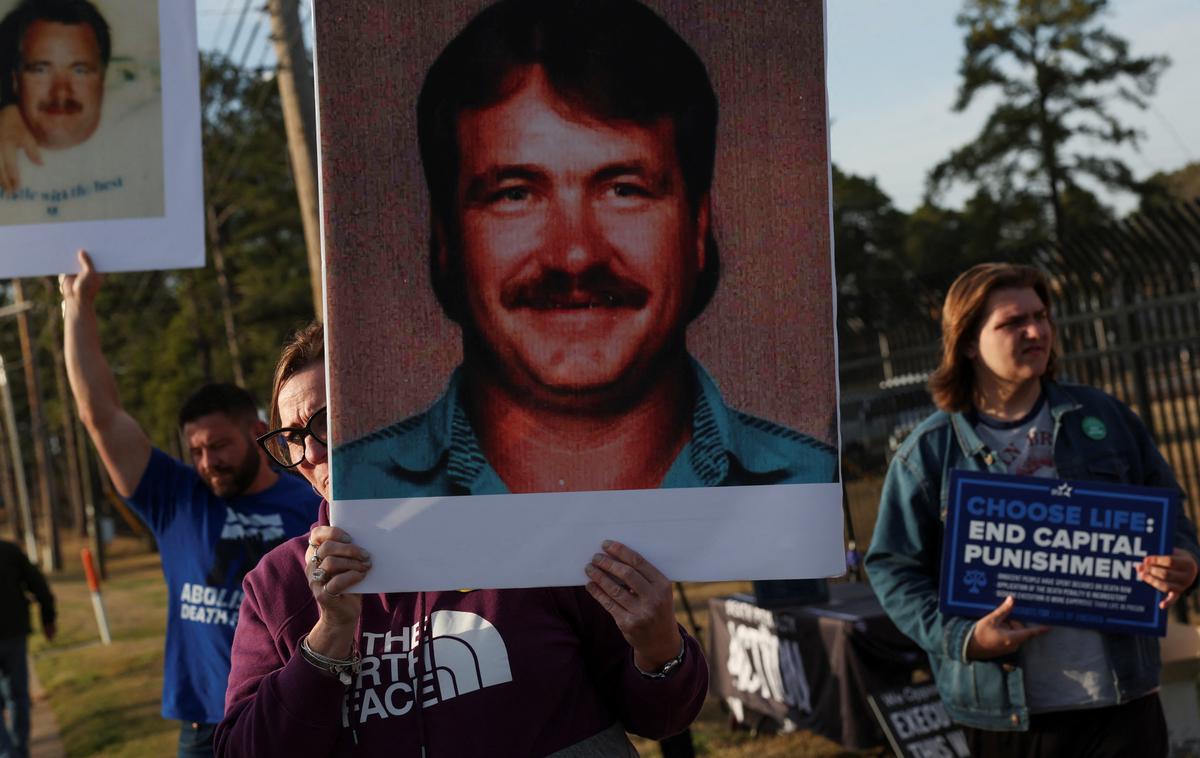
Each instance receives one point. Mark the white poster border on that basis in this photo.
(697, 534)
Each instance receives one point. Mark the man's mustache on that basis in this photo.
(65, 107)
(554, 289)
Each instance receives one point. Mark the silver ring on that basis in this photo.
(314, 559)
(320, 575)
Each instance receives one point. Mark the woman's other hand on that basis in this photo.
(639, 599)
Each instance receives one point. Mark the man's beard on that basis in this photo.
(243, 475)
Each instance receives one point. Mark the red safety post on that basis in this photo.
(89, 568)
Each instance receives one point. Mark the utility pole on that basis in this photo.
(53, 560)
(18, 499)
(294, 75)
(14, 443)
(21, 497)
(218, 254)
(6, 489)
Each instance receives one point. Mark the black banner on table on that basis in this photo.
(761, 662)
(809, 667)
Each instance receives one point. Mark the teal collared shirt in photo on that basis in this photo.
(437, 452)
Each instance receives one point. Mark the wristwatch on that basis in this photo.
(665, 670)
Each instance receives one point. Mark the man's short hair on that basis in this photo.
(953, 384)
(230, 399)
(17, 22)
(614, 60)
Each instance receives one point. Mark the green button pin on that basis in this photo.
(1094, 428)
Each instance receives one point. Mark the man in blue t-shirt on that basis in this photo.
(212, 522)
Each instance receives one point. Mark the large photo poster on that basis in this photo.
(579, 282)
(94, 94)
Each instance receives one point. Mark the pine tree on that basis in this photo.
(1057, 71)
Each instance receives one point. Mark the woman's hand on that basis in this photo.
(639, 599)
(1171, 574)
(334, 565)
(15, 136)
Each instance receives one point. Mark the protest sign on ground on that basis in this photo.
(916, 724)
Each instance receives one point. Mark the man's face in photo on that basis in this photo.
(578, 245)
(60, 82)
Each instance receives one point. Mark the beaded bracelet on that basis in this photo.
(342, 669)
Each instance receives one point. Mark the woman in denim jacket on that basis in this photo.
(1020, 689)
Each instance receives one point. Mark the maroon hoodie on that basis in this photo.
(522, 672)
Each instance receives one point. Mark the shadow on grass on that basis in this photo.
(105, 727)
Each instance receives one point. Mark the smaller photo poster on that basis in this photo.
(94, 95)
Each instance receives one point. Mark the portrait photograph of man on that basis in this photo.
(590, 253)
(81, 123)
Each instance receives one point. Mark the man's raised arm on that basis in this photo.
(123, 446)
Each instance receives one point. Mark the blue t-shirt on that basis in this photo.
(208, 545)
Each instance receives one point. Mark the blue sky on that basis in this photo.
(893, 77)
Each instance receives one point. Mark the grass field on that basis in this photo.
(106, 697)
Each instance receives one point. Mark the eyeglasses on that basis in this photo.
(286, 445)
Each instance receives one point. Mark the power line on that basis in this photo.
(224, 16)
(1174, 134)
(250, 41)
(237, 30)
(224, 173)
(267, 48)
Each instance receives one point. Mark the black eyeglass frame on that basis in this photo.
(264, 440)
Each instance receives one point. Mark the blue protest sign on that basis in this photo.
(1067, 551)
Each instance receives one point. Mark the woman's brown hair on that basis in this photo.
(305, 347)
(953, 384)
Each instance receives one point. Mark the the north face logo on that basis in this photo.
(464, 653)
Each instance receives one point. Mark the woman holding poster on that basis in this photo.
(1021, 690)
(320, 671)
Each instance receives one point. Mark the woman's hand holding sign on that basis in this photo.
(639, 599)
(996, 634)
(1171, 574)
(335, 565)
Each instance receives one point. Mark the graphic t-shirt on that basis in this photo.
(208, 545)
(1066, 668)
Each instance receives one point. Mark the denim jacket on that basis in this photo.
(905, 555)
